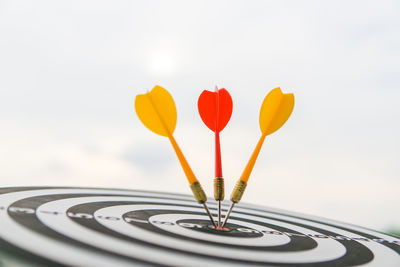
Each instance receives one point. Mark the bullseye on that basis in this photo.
(229, 229)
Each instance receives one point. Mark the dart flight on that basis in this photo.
(157, 111)
(215, 109)
(275, 111)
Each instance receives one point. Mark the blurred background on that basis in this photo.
(70, 70)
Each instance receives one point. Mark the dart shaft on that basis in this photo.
(218, 181)
(185, 165)
(250, 165)
(218, 162)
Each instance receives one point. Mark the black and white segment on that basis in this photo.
(100, 227)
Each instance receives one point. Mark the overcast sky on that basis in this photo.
(70, 70)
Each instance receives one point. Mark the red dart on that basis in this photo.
(215, 110)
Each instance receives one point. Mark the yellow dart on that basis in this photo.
(275, 111)
(157, 111)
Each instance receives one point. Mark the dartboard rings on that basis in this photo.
(107, 227)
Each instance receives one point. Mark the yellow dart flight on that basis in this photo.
(157, 111)
(275, 111)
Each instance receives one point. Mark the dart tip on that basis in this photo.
(219, 215)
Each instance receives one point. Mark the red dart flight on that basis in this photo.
(215, 110)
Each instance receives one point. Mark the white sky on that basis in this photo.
(69, 72)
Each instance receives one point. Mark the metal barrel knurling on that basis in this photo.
(198, 192)
(219, 191)
(238, 191)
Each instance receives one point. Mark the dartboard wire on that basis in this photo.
(105, 241)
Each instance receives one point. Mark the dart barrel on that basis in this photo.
(238, 191)
(219, 191)
(198, 192)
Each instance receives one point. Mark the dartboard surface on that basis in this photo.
(109, 227)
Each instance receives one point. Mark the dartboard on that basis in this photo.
(109, 227)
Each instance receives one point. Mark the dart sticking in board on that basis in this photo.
(51, 226)
(101, 227)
